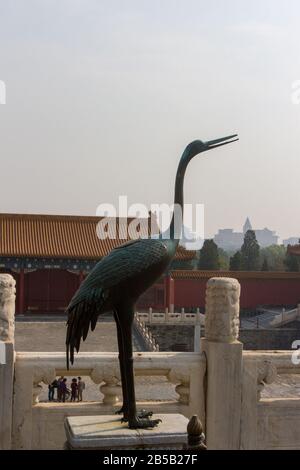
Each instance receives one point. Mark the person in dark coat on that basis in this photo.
(63, 389)
(74, 389)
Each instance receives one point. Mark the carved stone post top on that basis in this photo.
(222, 309)
(7, 282)
(7, 307)
(224, 282)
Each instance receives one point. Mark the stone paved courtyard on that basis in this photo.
(50, 337)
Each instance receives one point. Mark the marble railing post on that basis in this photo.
(224, 364)
(7, 318)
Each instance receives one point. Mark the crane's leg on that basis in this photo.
(126, 317)
(124, 409)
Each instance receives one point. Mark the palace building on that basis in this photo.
(49, 256)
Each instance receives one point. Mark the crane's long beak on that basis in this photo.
(212, 144)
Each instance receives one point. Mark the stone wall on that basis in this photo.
(173, 337)
(269, 339)
(181, 338)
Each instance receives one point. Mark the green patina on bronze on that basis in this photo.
(118, 280)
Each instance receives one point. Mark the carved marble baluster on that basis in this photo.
(111, 390)
(109, 379)
(36, 391)
(266, 374)
(182, 382)
(45, 375)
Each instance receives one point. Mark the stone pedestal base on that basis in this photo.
(106, 432)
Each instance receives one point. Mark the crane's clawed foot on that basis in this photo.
(144, 414)
(143, 423)
(140, 414)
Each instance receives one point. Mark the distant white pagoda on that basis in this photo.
(247, 226)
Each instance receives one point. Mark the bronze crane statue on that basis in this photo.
(118, 280)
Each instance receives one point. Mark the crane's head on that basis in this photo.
(196, 147)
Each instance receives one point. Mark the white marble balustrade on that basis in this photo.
(185, 370)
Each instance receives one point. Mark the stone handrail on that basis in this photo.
(171, 318)
(285, 362)
(146, 334)
(185, 370)
(285, 317)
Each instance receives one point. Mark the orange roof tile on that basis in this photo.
(60, 236)
(185, 255)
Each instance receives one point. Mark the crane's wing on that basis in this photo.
(122, 263)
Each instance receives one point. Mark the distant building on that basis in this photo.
(291, 241)
(266, 237)
(229, 240)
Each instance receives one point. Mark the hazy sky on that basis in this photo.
(103, 96)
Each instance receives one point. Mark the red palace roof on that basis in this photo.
(64, 236)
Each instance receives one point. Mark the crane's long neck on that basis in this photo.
(177, 219)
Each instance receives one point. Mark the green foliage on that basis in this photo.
(250, 252)
(292, 263)
(209, 256)
(236, 262)
(275, 256)
(265, 265)
(223, 259)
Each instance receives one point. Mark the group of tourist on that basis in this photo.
(63, 392)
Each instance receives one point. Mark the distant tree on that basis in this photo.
(250, 252)
(292, 263)
(223, 259)
(275, 256)
(209, 256)
(265, 265)
(236, 262)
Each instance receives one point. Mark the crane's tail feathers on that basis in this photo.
(81, 316)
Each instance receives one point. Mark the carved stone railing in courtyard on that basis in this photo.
(35, 423)
(171, 318)
(270, 409)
